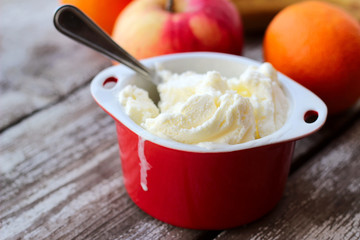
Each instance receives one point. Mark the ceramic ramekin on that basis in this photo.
(194, 187)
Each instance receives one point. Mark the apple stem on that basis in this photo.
(170, 5)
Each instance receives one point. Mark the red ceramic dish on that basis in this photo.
(189, 186)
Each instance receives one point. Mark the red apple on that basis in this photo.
(148, 28)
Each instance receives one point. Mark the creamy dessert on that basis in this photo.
(209, 108)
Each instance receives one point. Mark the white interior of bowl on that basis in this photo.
(302, 101)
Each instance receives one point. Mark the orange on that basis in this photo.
(318, 45)
(102, 12)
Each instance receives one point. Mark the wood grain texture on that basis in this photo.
(321, 201)
(60, 173)
(38, 64)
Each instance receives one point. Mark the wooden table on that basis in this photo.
(60, 174)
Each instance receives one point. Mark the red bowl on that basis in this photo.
(194, 187)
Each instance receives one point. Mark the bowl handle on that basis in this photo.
(308, 114)
(104, 89)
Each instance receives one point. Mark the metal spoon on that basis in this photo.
(73, 23)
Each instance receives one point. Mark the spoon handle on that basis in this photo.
(73, 23)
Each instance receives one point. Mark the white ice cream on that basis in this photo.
(137, 104)
(208, 108)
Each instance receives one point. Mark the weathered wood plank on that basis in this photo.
(38, 64)
(322, 199)
(42, 156)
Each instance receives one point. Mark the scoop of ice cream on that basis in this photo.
(206, 118)
(177, 88)
(201, 108)
(137, 104)
(267, 97)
